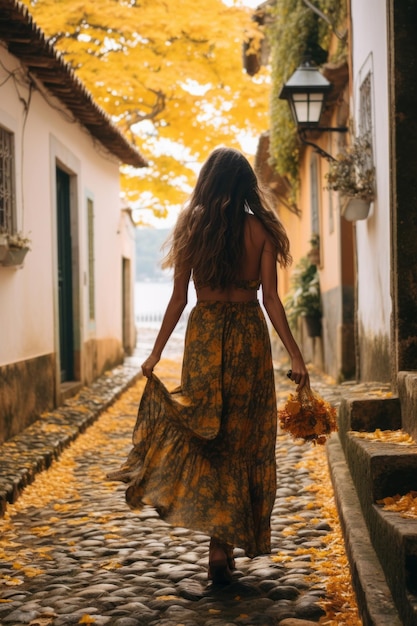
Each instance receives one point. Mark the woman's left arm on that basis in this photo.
(175, 307)
(276, 313)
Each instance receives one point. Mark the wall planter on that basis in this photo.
(14, 256)
(352, 174)
(353, 209)
(13, 248)
(313, 325)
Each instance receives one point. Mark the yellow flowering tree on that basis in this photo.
(171, 76)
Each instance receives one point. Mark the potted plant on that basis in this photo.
(352, 174)
(304, 298)
(16, 249)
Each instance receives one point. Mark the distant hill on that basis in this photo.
(149, 254)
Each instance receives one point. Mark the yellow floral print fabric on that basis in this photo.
(204, 454)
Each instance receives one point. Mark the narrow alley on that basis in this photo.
(72, 553)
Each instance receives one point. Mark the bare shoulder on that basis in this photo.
(255, 228)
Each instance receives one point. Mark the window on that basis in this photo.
(365, 112)
(91, 284)
(365, 104)
(7, 182)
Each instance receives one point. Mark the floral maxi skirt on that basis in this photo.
(204, 454)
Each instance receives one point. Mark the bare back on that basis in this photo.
(250, 271)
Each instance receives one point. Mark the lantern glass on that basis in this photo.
(307, 107)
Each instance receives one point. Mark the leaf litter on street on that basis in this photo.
(60, 488)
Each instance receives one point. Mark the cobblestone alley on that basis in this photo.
(72, 553)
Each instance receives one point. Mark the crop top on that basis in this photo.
(239, 284)
(247, 284)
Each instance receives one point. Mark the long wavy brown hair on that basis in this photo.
(209, 233)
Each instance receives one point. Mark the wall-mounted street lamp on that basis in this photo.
(306, 92)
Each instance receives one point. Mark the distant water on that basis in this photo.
(151, 299)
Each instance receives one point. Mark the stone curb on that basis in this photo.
(22, 457)
(374, 598)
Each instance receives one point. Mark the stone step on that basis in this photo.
(373, 595)
(395, 542)
(367, 414)
(379, 470)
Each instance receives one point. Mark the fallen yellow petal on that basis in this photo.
(87, 619)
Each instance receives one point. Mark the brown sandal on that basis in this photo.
(221, 562)
(230, 558)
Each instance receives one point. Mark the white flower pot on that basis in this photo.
(354, 209)
(14, 256)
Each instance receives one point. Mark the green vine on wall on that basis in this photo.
(294, 31)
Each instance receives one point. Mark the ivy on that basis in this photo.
(294, 31)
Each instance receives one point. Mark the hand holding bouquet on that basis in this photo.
(306, 415)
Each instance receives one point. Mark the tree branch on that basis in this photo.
(136, 116)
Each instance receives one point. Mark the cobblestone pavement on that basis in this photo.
(72, 553)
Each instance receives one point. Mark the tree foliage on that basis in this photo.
(170, 74)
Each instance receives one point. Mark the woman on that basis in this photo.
(204, 454)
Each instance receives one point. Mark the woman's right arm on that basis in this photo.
(276, 314)
(175, 307)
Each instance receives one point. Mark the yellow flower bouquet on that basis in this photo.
(306, 415)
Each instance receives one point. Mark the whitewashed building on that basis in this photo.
(370, 110)
(66, 311)
(384, 100)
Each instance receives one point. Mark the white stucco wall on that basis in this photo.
(28, 311)
(369, 42)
